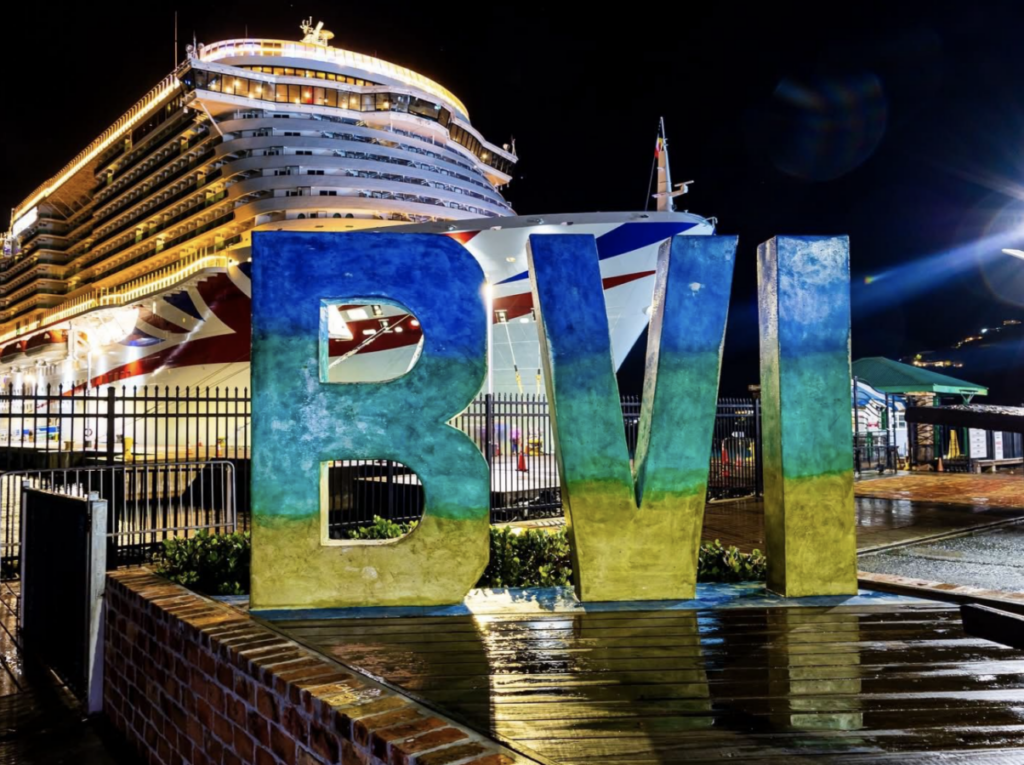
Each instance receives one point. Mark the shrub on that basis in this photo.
(727, 564)
(219, 565)
(533, 558)
(381, 529)
(214, 564)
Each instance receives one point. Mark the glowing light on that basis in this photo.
(25, 221)
(141, 109)
(252, 47)
(1015, 253)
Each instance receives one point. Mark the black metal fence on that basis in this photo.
(736, 449)
(146, 504)
(64, 429)
(872, 451)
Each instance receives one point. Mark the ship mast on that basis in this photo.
(664, 194)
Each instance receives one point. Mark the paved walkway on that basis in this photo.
(990, 560)
(991, 489)
(892, 511)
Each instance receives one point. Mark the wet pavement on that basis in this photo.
(858, 683)
(991, 560)
(40, 722)
(880, 522)
(989, 489)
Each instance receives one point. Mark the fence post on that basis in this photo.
(856, 430)
(489, 427)
(110, 425)
(758, 470)
(96, 583)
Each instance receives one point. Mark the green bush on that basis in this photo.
(381, 529)
(532, 558)
(219, 565)
(215, 564)
(727, 564)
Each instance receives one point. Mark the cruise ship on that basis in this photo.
(131, 265)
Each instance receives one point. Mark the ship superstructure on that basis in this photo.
(131, 264)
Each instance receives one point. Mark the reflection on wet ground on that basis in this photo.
(849, 683)
(992, 560)
(40, 723)
(991, 489)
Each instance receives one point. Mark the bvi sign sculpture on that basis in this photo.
(635, 532)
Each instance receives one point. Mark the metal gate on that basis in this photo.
(63, 565)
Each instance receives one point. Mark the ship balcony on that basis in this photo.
(197, 147)
(152, 184)
(41, 271)
(141, 214)
(170, 225)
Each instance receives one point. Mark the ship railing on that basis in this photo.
(214, 258)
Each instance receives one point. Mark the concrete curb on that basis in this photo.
(953, 593)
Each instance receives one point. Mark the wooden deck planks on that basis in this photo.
(747, 685)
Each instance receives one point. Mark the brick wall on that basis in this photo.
(191, 680)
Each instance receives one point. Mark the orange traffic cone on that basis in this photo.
(939, 469)
(522, 464)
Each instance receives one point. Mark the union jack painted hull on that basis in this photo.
(198, 336)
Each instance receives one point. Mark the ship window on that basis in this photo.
(289, 71)
(318, 96)
(331, 97)
(278, 70)
(281, 97)
(294, 92)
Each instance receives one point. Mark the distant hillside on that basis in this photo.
(993, 357)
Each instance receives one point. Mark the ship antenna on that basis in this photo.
(175, 39)
(654, 164)
(665, 194)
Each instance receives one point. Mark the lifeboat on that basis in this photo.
(13, 352)
(49, 346)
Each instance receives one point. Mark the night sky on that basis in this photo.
(900, 124)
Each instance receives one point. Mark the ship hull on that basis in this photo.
(197, 336)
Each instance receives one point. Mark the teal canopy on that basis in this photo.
(890, 376)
